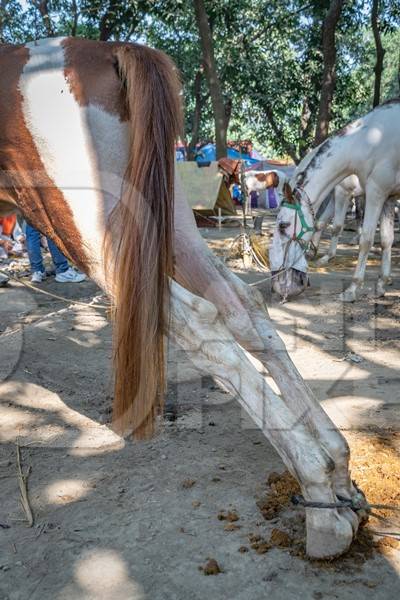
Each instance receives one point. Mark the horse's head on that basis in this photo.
(293, 231)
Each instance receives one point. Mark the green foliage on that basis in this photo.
(268, 55)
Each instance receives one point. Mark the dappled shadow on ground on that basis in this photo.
(137, 520)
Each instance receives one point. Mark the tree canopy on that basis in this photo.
(269, 57)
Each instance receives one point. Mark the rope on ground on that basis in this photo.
(56, 296)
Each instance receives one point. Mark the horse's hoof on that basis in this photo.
(329, 534)
(348, 295)
(323, 260)
(352, 517)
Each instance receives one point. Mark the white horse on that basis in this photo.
(368, 148)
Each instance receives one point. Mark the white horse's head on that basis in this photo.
(293, 232)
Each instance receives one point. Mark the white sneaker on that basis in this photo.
(38, 277)
(70, 276)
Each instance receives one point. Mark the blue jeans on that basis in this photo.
(35, 252)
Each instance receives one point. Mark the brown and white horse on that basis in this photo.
(87, 133)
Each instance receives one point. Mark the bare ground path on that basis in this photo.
(118, 520)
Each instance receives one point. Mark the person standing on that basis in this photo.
(64, 273)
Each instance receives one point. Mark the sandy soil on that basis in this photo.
(159, 520)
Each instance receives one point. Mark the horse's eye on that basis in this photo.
(283, 226)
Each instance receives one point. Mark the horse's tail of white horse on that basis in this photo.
(140, 256)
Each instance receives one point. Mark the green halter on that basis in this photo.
(305, 228)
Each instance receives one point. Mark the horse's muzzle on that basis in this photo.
(290, 283)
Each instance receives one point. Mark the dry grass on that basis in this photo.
(375, 466)
(342, 263)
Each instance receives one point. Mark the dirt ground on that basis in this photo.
(122, 520)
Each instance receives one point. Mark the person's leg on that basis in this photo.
(64, 273)
(33, 248)
(59, 260)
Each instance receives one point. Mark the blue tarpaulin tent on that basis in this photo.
(208, 153)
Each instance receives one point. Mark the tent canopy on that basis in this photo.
(205, 188)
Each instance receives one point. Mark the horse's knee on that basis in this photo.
(387, 243)
(366, 241)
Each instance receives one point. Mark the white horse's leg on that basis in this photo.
(316, 238)
(374, 201)
(359, 204)
(387, 237)
(321, 224)
(342, 201)
(243, 310)
(196, 326)
(253, 329)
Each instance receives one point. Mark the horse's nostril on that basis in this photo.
(283, 226)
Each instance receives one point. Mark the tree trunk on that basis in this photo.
(107, 21)
(221, 112)
(75, 16)
(328, 76)
(380, 53)
(43, 8)
(196, 118)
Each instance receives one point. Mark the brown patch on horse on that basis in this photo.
(23, 177)
(7, 207)
(269, 179)
(275, 179)
(261, 177)
(141, 252)
(91, 69)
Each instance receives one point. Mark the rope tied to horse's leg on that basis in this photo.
(356, 504)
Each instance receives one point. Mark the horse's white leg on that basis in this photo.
(321, 224)
(243, 310)
(359, 203)
(374, 201)
(254, 330)
(342, 201)
(316, 238)
(387, 237)
(196, 326)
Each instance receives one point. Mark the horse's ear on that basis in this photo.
(287, 190)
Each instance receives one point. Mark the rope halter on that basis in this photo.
(297, 206)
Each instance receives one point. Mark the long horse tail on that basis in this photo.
(138, 250)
